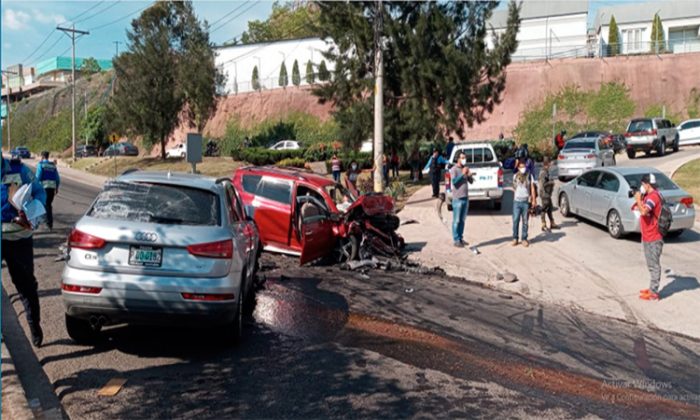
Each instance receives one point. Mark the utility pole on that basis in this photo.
(73, 34)
(9, 109)
(378, 103)
(116, 44)
(85, 103)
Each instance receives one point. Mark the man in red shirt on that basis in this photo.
(648, 203)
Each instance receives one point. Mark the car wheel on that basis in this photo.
(615, 225)
(661, 150)
(562, 179)
(80, 330)
(676, 145)
(631, 154)
(497, 205)
(348, 248)
(232, 332)
(564, 205)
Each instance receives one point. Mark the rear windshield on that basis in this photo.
(579, 145)
(640, 125)
(662, 181)
(474, 155)
(157, 203)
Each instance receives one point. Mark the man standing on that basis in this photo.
(523, 197)
(450, 146)
(559, 140)
(460, 174)
(546, 187)
(17, 244)
(47, 175)
(648, 203)
(434, 167)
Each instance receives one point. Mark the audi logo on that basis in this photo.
(146, 236)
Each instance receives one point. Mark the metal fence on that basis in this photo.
(234, 87)
(602, 49)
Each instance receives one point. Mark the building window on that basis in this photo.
(685, 39)
(633, 40)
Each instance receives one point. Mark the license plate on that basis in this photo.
(145, 256)
(477, 193)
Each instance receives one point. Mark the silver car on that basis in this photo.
(583, 153)
(605, 196)
(160, 248)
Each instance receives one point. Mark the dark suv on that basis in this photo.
(85, 151)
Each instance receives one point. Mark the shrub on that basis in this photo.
(260, 156)
(292, 162)
(396, 190)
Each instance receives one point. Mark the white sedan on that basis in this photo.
(286, 145)
(689, 132)
(179, 151)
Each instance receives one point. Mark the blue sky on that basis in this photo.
(29, 35)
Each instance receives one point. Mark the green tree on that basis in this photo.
(152, 85)
(657, 44)
(90, 66)
(296, 76)
(255, 80)
(285, 22)
(613, 38)
(439, 75)
(323, 74)
(310, 76)
(93, 127)
(283, 79)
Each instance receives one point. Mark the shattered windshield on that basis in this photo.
(156, 203)
(341, 196)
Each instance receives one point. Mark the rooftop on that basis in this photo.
(533, 9)
(64, 63)
(644, 12)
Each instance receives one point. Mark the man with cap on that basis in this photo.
(47, 175)
(648, 203)
(17, 244)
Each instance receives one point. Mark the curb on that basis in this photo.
(14, 400)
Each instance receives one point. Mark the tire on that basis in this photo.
(675, 233)
(349, 248)
(232, 332)
(614, 225)
(80, 330)
(564, 208)
(497, 205)
(661, 149)
(676, 144)
(631, 154)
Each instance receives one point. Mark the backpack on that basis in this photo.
(665, 217)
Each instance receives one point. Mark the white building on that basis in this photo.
(548, 29)
(680, 20)
(237, 62)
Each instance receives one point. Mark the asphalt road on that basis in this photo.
(329, 343)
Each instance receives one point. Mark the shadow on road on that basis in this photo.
(679, 284)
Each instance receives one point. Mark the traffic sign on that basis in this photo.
(113, 138)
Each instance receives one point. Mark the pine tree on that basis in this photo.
(310, 76)
(283, 79)
(613, 38)
(657, 44)
(255, 79)
(323, 73)
(296, 76)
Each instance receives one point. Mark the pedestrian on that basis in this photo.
(523, 197)
(385, 169)
(434, 168)
(449, 147)
(336, 166)
(395, 164)
(17, 242)
(559, 140)
(546, 188)
(521, 154)
(352, 174)
(460, 176)
(47, 175)
(648, 203)
(415, 165)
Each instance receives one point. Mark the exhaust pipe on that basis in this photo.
(96, 322)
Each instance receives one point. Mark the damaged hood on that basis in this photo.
(373, 204)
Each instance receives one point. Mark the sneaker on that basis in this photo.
(464, 243)
(554, 226)
(459, 244)
(650, 296)
(37, 335)
(514, 243)
(526, 243)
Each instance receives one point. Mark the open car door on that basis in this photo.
(316, 229)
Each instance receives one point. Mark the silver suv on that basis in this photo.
(161, 248)
(647, 134)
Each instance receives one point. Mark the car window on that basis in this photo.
(302, 190)
(341, 196)
(234, 214)
(469, 152)
(640, 125)
(275, 190)
(609, 182)
(156, 203)
(662, 181)
(588, 179)
(579, 145)
(478, 154)
(250, 183)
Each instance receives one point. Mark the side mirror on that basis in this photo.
(249, 212)
(630, 193)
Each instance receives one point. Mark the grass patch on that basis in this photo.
(215, 167)
(688, 177)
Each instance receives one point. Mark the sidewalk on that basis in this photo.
(14, 401)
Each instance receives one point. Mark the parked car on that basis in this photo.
(286, 145)
(487, 172)
(121, 149)
(583, 153)
(84, 151)
(617, 141)
(605, 196)
(159, 248)
(179, 151)
(21, 152)
(647, 134)
(689, 132)
(304, 214)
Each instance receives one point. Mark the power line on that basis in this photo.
(39, 47)
(97, 28)
(44, 54)
(230, 19)
(98, 12)
(228, 14)
(83, 12)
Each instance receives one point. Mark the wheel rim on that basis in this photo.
(614, 223)
(564, 204)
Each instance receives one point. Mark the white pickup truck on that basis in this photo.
(487, 172)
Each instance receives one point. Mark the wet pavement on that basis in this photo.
(324, 342)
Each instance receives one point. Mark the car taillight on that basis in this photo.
(653, 132)
(500, 177)
(208, 297)
(82, 240)
(591, 156)
(448, 179)
(561, 157)
(74, 288)
(628, 134)
(221, 249)
(688, 201)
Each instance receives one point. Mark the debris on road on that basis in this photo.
(408, 222)
(391, 264)
(62, 253)
(507, 277)
(112, 387)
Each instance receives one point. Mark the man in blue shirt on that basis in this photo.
(17, 243)
(47, 175)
